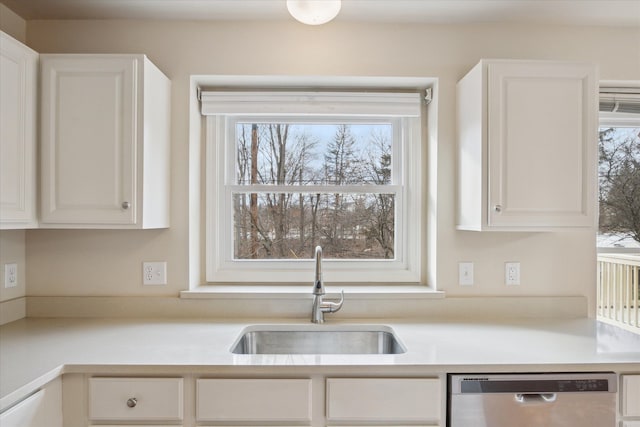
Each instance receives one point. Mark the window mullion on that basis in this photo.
(397, 156)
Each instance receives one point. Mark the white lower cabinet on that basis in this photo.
(320, 399)
(253, 400)
(43, 408)
(630, 400)
(389, 400)
(135, 399)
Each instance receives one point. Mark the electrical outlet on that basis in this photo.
(512, 273)
(154, 273)
(11, 275)
(465, 273)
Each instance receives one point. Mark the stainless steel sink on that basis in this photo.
(297, 339)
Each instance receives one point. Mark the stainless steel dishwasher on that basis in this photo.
(532, 400)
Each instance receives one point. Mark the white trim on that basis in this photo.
(621, 120)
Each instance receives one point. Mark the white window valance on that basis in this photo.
(311, 103)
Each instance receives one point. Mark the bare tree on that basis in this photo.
(275, 155)
(619, 176)
(289, 224)
(242, 223)
(340, 168)
(381, 212)
(253, 202)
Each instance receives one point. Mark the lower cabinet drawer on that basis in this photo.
(384, 399)
(253, 400)
(136, 399)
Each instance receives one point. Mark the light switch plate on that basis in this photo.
(10, 275)
(465, 273)
(154, 273)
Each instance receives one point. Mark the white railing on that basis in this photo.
(619, 290)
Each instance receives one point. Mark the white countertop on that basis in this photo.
(34, 351)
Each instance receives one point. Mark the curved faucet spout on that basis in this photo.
(318, 285)
(320, 307)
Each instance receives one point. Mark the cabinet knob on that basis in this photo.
(132, 402)
(126, 205)
(497, 208)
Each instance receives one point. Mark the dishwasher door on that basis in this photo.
(532, 400)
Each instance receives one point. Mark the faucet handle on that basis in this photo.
(335, 306)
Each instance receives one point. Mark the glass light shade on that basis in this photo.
(314, 12)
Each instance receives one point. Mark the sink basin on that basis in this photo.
(315, 339)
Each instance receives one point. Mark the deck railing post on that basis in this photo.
(618, 290)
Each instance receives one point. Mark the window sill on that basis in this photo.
(304, 292)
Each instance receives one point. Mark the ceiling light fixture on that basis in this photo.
(314, 12)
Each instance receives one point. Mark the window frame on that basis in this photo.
(220, 149)
(614, 120)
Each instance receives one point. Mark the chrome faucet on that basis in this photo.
(321, 307)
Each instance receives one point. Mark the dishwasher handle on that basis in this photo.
(535, 398)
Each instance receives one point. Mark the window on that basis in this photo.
(287, 171)
(618, 286)
(619, 170)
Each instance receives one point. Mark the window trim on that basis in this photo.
(406, 269)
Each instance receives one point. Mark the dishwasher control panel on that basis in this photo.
(541, 385)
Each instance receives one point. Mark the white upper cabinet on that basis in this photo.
(527, 146)
(105, 142)
(18, 94)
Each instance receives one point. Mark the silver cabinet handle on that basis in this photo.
(497, 208)
(132, 402)
(126, 205)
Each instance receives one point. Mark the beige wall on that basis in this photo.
(12, 24)
(12, 250)
(85, 262)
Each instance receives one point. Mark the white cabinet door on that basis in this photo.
(527, 146)
(105, 142)
(18, 83)
(630, 396)
(44, 408)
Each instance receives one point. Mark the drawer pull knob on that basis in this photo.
(497, 208)
(126, 205)
(132, 402)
